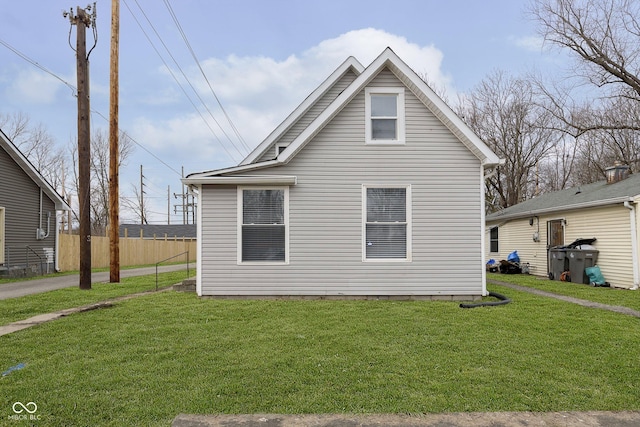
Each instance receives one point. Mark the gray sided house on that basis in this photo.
(372, 187)
(28, 215)
(606, 210)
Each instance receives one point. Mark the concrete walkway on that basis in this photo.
(53, 282)
(583, 302)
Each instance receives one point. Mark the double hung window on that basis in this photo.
(384, 110)
(387, 223)
(263, 228)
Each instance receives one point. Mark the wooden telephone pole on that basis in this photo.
(114, 154)
(82, 20)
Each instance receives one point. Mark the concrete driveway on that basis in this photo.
(53, 282)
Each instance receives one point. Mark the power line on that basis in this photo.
(193, 54)
(186, 79)
(74, 90)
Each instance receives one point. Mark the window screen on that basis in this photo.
(386, 223)
(263, 226)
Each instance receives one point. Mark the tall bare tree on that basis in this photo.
(100, 175)
(599, 103)
(502, 110)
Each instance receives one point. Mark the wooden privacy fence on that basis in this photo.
(133, 251)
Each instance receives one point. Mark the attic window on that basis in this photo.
(384, 112)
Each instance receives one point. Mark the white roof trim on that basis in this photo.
(433, 101)
(350, 64)
(32, 172)
(234, 169)
(243, 180)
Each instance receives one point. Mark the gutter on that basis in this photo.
(634, 243)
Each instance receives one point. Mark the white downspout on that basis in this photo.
(634, 244)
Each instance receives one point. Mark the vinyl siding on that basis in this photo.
(310, 115)
(609, 225)
(20, 197)
(326, 214)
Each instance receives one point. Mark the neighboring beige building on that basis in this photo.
(372, 187)
(606, 210)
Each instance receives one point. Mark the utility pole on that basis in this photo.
(168, 204)
(114, 154)
(143, 219)
(82, 20)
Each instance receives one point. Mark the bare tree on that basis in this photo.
(136, 206)
(100, 175)
(603, 34)
(37, 145)
(502, 110)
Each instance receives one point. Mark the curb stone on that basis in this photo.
(460, 419)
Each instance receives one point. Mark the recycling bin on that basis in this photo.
(579, 260)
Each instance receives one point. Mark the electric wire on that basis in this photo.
(37, 65)
(74, 91)
(193, 54)
(186, 79)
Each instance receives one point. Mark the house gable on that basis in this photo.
(406, 77)
(306, 112)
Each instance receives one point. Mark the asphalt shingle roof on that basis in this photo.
(573, 198)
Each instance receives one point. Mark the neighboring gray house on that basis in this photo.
(373, 186)
(28, 214)
(606, 210)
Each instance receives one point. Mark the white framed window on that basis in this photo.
(263, 225)
(384, 115)
(493, 239)
(386, 223)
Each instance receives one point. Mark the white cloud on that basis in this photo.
(530, 43)
(258, 92)
(34, 87)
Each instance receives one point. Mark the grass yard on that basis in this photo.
(145, 360)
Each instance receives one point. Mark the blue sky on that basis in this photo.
(262, 58)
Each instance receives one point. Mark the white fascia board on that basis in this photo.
(390, 59)
(350, 64)
(33, 173)
(347, 95)
(243, 180)
(234, 169)
(585, 205)
(452, 120)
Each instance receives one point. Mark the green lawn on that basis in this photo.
(611, 296)
(22, 308)
(147, 359)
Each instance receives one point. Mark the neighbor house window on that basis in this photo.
(493, 239)
(263, 217)
(387, 223)
(384, 112)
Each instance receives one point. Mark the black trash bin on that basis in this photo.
(579, 260)
(558, 262)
